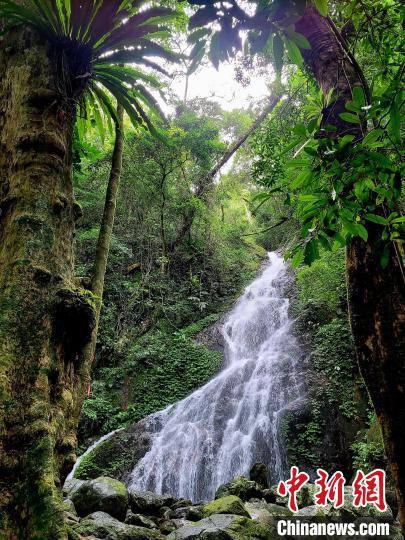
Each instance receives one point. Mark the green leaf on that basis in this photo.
(299, 39)
(215, 51)
(278, 51)
(322, 6)
(297, 259)
(311, 252)
(399, 220)
(293, 52)
(376, 219)
(372, 136)
(348, 117)
(358, 96)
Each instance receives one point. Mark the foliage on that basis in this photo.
(159, 368)
(149, 317)
(336, 409)
(91, 42)
(368, 450)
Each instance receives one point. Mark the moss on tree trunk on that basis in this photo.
(376, 296)
(45, 318)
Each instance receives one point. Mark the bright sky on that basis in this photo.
(221, 85)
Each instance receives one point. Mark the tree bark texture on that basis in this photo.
(45, 317)
(376, 295)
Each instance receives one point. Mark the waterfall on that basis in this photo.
(234, 420)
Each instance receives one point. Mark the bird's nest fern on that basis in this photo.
(98, 47)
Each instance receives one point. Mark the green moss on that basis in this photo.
(226, 505)
(113, 458)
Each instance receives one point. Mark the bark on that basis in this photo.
(206, 182)
(45, 318)
(376, 296)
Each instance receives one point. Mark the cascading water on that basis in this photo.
(233, 421)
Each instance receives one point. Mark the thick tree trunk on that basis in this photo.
(45, 319)
(376, 296)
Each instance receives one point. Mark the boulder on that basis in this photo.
(146, 502)
(240, 486)
(266, 513)
(195, 513)
(224, 527)
(105, 527)
(139, 520)
(70, 486)
(103, 494)
(190, 513)
(226, 505)
(259, 473)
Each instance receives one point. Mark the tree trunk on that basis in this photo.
(102, 251)
(45, 318)
(376, 296)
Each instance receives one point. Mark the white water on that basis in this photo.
(221, 429)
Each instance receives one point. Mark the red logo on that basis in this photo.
(367, 488)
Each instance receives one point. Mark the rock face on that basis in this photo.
(226, 505)
(103, 494)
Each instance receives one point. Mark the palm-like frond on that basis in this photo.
(93, 39)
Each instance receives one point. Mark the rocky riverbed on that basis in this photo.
(244, 509)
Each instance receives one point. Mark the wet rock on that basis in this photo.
(103, 494)
(224, 527)
(105, 527)
(190, 513)
(167, 526)
(259, 473)
(139, 520)
(146, 502)
(226, 505)
(242, 487)
(70, 486)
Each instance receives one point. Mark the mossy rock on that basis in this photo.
(103, 526)
(224, 527)
(103, 494)
(240, 486)
(116, 456)
(226, 505)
